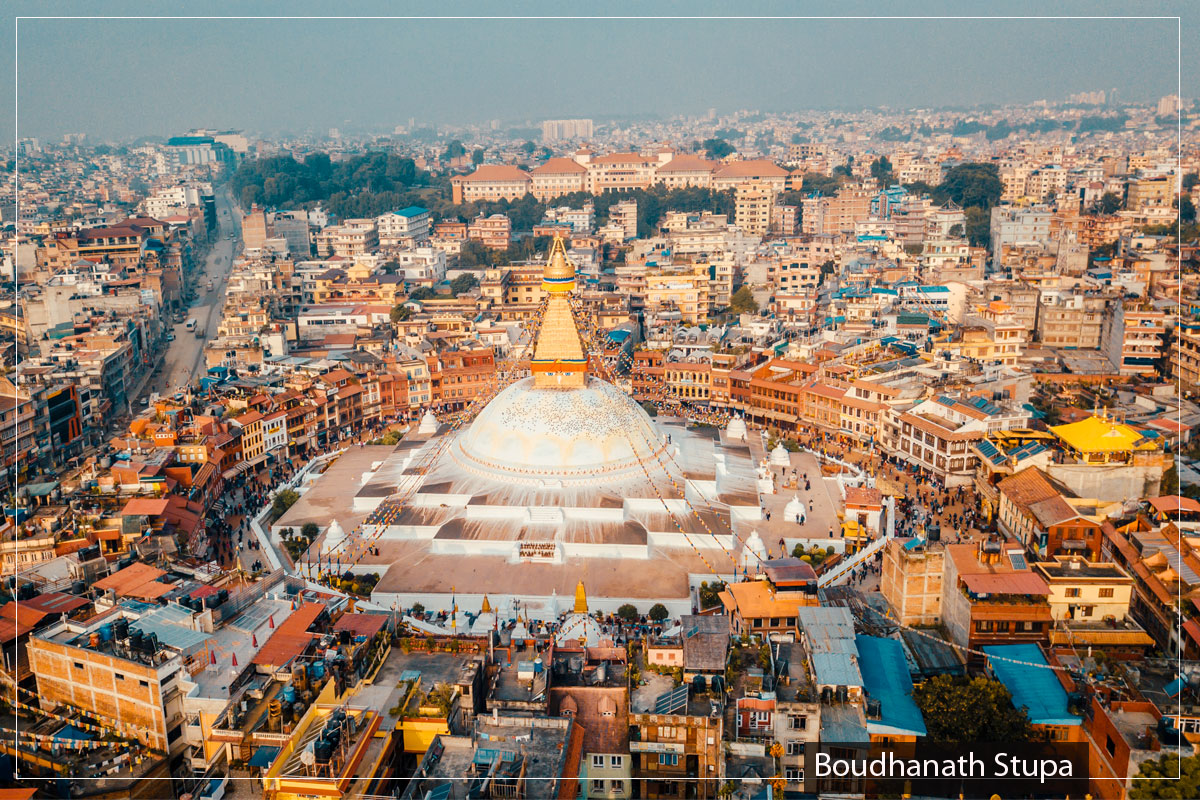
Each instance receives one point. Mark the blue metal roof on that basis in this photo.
(886, 679)
(412, 211)
(989, 451)
(263, 757)
(1035, 688)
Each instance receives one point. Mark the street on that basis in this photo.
(184, 356)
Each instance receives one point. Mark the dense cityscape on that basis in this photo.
(601, 458)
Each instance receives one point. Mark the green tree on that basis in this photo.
(628, 612)
(1187, 210)
(1167, 777)
(961, 709)
(399, 313)
(421, 293)
(454, 150)
(310, 530)
(658, 612)
(742, 302)
(477, 156)
(463, 283)
(717, 149)
(284, 500)
(529, 148)
(979, 226)
(390, 438)
(1108, 203)
(971, 184)
(881, 171)
(1169, 485)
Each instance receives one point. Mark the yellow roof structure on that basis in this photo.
(558, 356)
(580, 599)
(559, 275)
(487, 606)
(1099, 435)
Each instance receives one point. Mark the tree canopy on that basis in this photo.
(881, 171)
(971, 184)
(717, 149)
(960, 709)
(1167, 777)
(658, 612)
(627, 612)
(743, 302)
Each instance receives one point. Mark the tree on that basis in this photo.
(628, 612)
(477, 156)
(1169, 484)
(960, 709)
(1108, 203)
(1187, 211)
(463, 283)
(658, 612)
(1167, 777)
(716, 149)
(399, 313)
(454, 150)
(881, 171)
(310, 530)
(742, 302)
(971, 184)
(529, 148)
(421, 293)
(284, 500)
(979, 226)
(1190, 180)
(956, 231)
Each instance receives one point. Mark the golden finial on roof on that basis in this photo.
(580, 599)
(487, 607)
(559, 275)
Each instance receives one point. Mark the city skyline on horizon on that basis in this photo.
(285, 78)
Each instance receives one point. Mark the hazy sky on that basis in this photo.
(124, 78)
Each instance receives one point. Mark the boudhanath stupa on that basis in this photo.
(560, 478)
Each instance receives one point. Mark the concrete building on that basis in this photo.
(491, 182)
(752, 208)
(556, 130)
(1020, 225)
(1133, 340)
(911, 580)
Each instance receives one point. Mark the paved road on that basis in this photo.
(185, 356)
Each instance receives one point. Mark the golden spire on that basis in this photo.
(559, 361)
(559, 275)
(487, 607)
(580, 599)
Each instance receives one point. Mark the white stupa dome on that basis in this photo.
(575, 436)
(754, 552)
(429, 423)
(780, 457)
(736, 428)
(795, 511)
(334, 537)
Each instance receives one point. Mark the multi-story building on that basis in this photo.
(412, 223)
(1072, 321)
(254, 228)
(491, 182)
(1045, 519)
(752, 208)
(625, 216)
(991, 596)
(1020, 225)
(353, 238)
(936, 434)
(1134, 341)
(137, 690)
(458, 376)
(911, 580)
(1185, 359)
(494, 231)
(1147, 193)
(555, 130)
(557, 177)
(677, 752)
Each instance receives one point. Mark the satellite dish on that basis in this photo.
(307, 758)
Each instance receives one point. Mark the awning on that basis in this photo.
(263, 757)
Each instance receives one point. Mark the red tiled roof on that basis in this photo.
(361, 624)
(1173, 503)
(559, 166)
(496, 172)
(751, 169)
(145, 507)
(291, 638)
(1005, 583)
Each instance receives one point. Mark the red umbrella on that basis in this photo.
(271, 620)
(253, 640)
(213, 655)
(235, 659)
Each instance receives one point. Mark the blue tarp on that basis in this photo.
(1036, 688)
(886, 679)
(263, 757)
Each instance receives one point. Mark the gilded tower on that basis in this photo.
(559, 361)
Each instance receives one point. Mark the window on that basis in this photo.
(118, 676)
(616, 761)
(797, 722)
(1073, 592)
(1106, 592)
(668, 759)
(794, 748)
(598, 762)
(78, 665)
(617, 788)
(793, 775)
(597, 787)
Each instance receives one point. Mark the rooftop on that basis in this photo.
(1023, 669)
